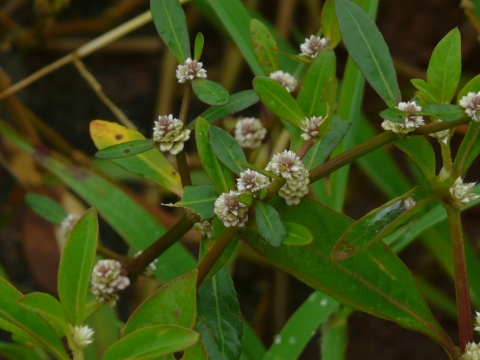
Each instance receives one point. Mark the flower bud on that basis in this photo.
(190, 70)
(171, 135)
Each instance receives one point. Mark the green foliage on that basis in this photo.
(126, 149)
(270, 226)
(46, 208)
(199, 199)
(329, 23)
(226, 149)
(210, 92)
(198, 47)
(264, 46)
(297, 235)
(421, 152)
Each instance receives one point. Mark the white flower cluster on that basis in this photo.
(472, 350)
(227, 207)
(312, 46)
(107, 279)
(310, 127)
(411, 122)
(191, 70)
(290, 167)
(443, 135)
(81, 336)
(171, 135)
(68, 223)
(150, 269)
(461, 193)
(249, 132)
(204, 227)
(471, 103)
(284, 79)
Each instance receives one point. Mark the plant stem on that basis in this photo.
(461, 278)
(137, 265)
(78, 354)
(214, 254)
(182, 156)
(446, 157)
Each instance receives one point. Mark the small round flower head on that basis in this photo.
(171, 135)
(312, 46)
(290, 167)
(310, 127)
(442, 136)
(204, 227)
(472, 352)
(411, 122)
(409, 203)
(471, 104)
(150, 269)
(284, 79)
(477, 321)
(231, 211)
(461, 193)
(251, 182)
(107, 279)
(82, 336)
(191, 70)
(249, 132)
(68, 223)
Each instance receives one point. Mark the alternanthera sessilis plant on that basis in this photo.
(267, 193)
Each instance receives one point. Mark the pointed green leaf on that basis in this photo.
(195, 352)
(220, 176)
(445, 67)
(46, 208)
(238, 102)
(219, 318)
(472, 86)
(297, 235)
(334, 336)
(171, 25)
(301, 327)
(321, 150)
(26, 323)
(269, 224)
(152, 342)
(173, 304)
(198, 47)
(264, 46)
(445, 112)
(329, 23)
(125, 149)
(151, 164)
(210, 92)
(199, 199)
(226, 148)
(374, 281)
(46, 306)
(380, 222)
(468, 151)
(278, 100)
(394, 114)
(77, 261)
(22, 352)
(421, 152)
(311, 95)
(425, 91)
(368, 49)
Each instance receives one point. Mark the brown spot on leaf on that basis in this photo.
(176, 313)
(126, 151)
(118, 137)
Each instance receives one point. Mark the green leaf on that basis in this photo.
(198, 47)
(77, 262)
(246, 165)
(226, 149)
(26, 323)
(264, 46)
(297, 235)
(210, 92)
(311, 95)
(334, 336)
(329, 23)
(151, 165)
(138, 227)
(22, 352)
(301, 327)
(238, 102)
(219, 318)
(368, 49)
(468, 151)
(270, 226)
(321, 150)
(374, 281)
(48, 307)
(472, 86)
(445, 67)
(220, 176)
(379, 223)
(173, 304)
(278, 100)
(171, 25)
(425, 91)
(125, 149)
(421, 152)
(200, 199)
(152, 342)
(444, 112)
(46, 208)
(195, 352)
(394, 114)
